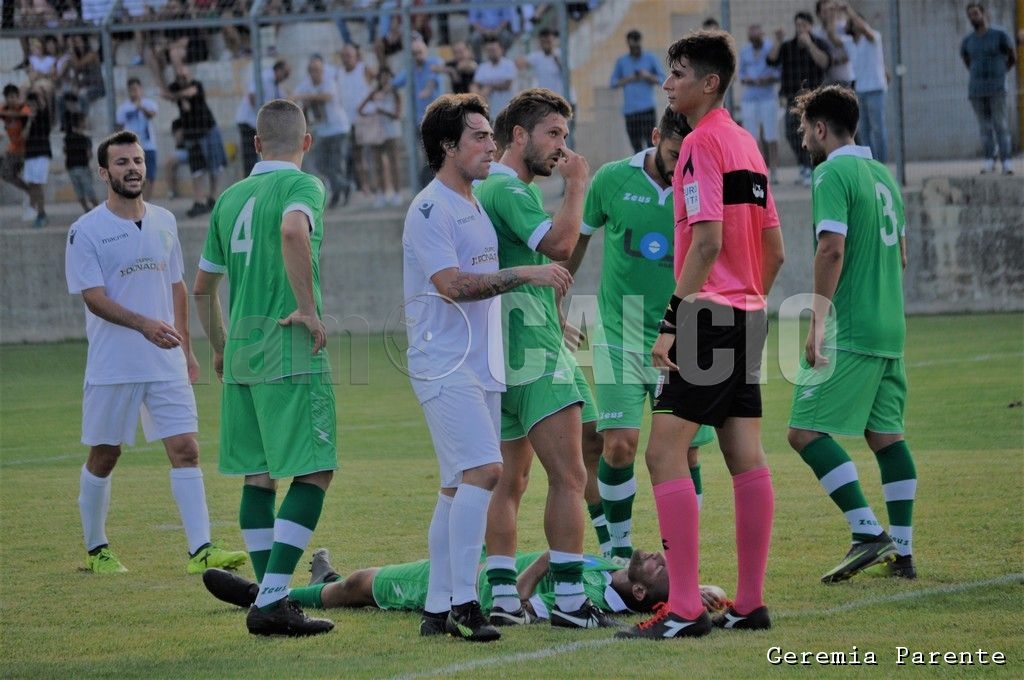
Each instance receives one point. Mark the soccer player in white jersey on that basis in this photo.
(455, 358)
(277, 407)
(125, 259)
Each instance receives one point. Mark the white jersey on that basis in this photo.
(130, 116)
(449, 342)
(136, 267)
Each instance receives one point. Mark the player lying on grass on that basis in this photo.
(636, 587)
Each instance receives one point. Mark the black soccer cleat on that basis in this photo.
(861, 556)
(755, 620)
(433, 624)
(227, 586)
(503, 617)
(903, 567)
(286, 619)
(665, 625)
(467, 622)
(587, 616)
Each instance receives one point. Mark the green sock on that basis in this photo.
(301, 506)
(597, 519)
(838, 476)
(501, 576)
(899, 484)
(566, 572)
(618, 489)
(698, 485)
(308, 596)
(256, 519)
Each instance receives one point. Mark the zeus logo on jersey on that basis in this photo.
(635, 198)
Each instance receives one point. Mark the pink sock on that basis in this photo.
(755, 506)
(678, 518)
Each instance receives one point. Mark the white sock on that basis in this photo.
(505, 596)
(568, 596)
(93, 504)
(190, 495)
(467, 524)
(439, 583)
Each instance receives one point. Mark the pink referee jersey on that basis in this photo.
(721, 176)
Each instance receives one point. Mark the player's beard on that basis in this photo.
(120, 189)
(659, 165)
(536, 164)
(817, 156)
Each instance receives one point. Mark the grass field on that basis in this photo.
(964, 424)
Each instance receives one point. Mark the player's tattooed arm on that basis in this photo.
(460, 286)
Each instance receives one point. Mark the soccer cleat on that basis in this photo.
(198, 209)
(104, 562)
(903, 567)
(229, 587)
(433, 624)
(503, 617)
(212, 555)
(587, 616)
(755, 620)
(287, 619)
(320, 569)
(467, 622)
(664, 625)
(862, 556)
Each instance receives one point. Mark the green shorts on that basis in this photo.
(863, 393)
(523, 406)
(286, 428)
(624, 385)
(402, 586)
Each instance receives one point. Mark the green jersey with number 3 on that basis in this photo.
(857, 197)
(244, 242)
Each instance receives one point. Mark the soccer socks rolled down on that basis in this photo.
(566, 571)
(754, 498)
(698, 485)
(501, 575)
(618, 489)
(899, 485)
(679, 522)
(600, 524)
(293, 528)
(467, 524)
(439, 583)
(309, 596)
(838, 476)
(256, 519)
(93, 506)
(190, 495)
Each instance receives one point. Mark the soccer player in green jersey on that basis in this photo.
(852, 380)
(541, 408)
(632, 200)
(277, 405)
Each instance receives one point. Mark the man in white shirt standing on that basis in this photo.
(871, 85)
(546, 65)
(318, 95)
(136, 115)
(125, 259)
(495, 76)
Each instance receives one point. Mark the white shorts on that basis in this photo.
(464, 421)
(36, 170)
(110, 413)
(763, 115)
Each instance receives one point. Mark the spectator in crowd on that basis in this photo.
(460, 69)
(637, 73)
(15, 113)
(803, 61)
(495, 76)
(988, 54)
(245, 113)
(205, 146)
(871, 84)
(42, 68)
(137, 114)
(318, 96)
(389, 41)
(833, 32)
(177, 159)
(545, 63)
(81, 77)
(711, 23)
(37, 155)
(77, 155)
(426, 82)
(760, 101)
(354, 84)
(491, 22)
(183, 44)
(380, 121)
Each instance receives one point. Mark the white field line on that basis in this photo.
(505, 661)
(978, 358)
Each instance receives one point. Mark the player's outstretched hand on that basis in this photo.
(161, 334)
(313, 323)
(551, 275)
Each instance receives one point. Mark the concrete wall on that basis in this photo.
(965, 241)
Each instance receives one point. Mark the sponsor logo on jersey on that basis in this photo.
(112, 239)
(143, 264)
(630, 197)
(490, 254)
(691, 194)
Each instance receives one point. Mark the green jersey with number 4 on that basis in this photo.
(244, 242)
(857, 197)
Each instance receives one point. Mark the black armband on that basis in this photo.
(672, 309)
